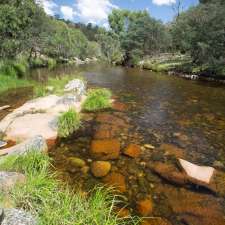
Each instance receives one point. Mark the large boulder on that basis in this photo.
(186, 173)
(17, 217)
(36, 143)
(39, 116)
(9, 179)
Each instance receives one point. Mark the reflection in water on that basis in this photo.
(187, 114)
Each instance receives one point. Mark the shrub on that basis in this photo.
(68, 122)
(97, 99)
(51, 63)
(36, 62)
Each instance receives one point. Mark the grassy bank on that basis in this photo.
(179, 63)
(52, 202)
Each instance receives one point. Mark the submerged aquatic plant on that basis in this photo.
(97, 99)
(68, 122)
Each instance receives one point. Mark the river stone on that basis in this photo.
(9, 179)
(201, 173)
(30, 125)
(77, 87)
(17, 217)
(100, 168)
(2, 144)
(36, 143)
(145, 206)
(116, 180)
(105, 149)
(37, 117)
(77, 162)
(132, 150)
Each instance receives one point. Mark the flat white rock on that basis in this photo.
(201, 173)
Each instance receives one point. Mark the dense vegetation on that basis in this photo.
(30, 38)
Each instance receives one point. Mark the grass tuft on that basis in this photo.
(68, 122)
(54, 203)
(97, 99)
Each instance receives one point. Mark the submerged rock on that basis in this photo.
(155, 221)
(77, 162)
(105, 149)
(8, 180)
(145, 207)
(100, 168)
(133, 150)
(116, 180)
(37, 143)
(188, 173)
(17, 217)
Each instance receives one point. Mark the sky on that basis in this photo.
(97, 11)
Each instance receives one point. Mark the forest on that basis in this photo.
(27, 33)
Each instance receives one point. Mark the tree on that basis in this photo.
(201, 32)
(110, 46)
(138, 33)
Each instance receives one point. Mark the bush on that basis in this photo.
(68, 122)
(36, 62)
(97, 99)
(7, 68)
(51, 63)
(54, 203)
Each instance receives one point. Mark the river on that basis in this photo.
(182, 114)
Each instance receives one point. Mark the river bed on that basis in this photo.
(160, 114)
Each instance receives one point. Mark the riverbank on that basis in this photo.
(182, 66)
(30, 190)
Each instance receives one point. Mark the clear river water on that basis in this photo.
(163, 114)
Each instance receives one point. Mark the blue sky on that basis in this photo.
(96, 11)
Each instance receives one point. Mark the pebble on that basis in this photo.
(149, 146)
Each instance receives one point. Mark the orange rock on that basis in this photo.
(145, 207)
(105, 131)
(133, 150)
(119, 106)
(123, 213)
(111, 119)
(170, 173)
(116, 180)
(155, 221)
(100, 168)
(173, 150)
(105, 149)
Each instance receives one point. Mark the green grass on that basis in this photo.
(68, 122)
(8, 82)
(97, 99)
(54, 203)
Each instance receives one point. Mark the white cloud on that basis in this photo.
(48, 5)
(67, 12)
(164, 2)
(94, 11)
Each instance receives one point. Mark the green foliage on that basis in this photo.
(110, 46)
(54, 203)
(51, 63)
(68, 122)
(200, 32)
(9, 82)
(97, 99)
(139, 34)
